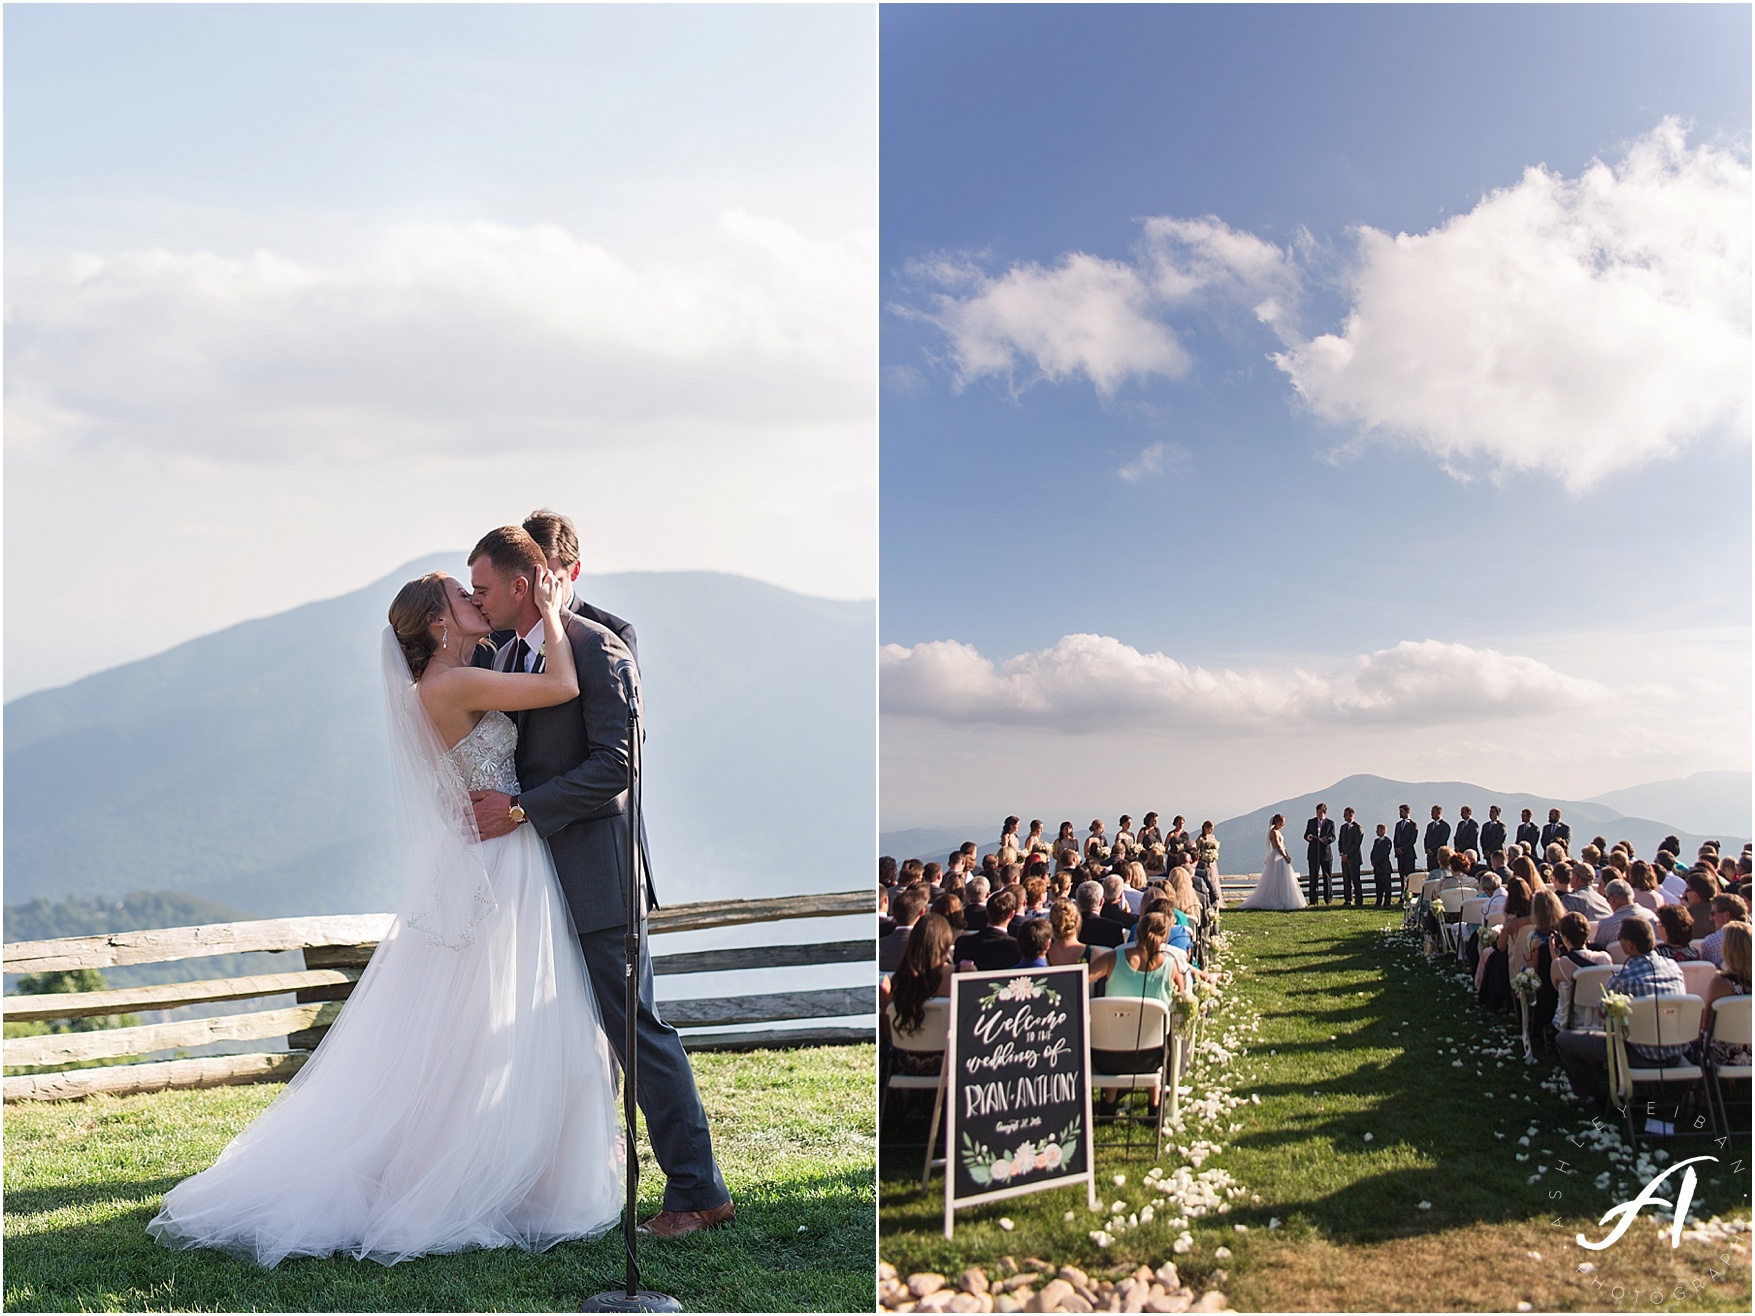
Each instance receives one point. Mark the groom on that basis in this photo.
(573, 765)
(1320, 833)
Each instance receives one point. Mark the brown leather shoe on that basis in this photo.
(674, 1224)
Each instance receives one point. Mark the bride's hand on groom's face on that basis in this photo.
(548, 590)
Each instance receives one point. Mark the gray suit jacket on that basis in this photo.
(573, 768)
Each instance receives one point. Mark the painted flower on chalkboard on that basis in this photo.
(1024, 988)
(990, 1169)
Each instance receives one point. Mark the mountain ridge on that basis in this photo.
(249, 766)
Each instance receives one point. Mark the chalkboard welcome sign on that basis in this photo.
(1019, 1095)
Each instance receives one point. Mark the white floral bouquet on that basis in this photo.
(1488, 938)
(1526, 984)
(1617, 1007)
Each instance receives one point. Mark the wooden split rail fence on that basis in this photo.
(336, 950)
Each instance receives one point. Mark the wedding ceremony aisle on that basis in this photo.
(792, 1131)
(1358, 1134)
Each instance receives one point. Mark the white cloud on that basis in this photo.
(1095, 682)
(1573, 326)
(443, 339)
(1577, 327)
(1083, 317)
(1154, 459)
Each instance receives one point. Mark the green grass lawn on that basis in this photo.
(793, 1131)
(1336, 1031)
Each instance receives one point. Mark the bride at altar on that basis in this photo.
(1278, 886)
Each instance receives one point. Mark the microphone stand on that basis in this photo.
(631, 1297)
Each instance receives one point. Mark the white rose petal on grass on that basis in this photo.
(1423, 1206)
(1120, 1179)
(1117, 1207)
(1005, 1223)
(1273, 1222)
(1524, 1306)
(1369, 1138)
(1067, 1217)
(1222, 1253)
(1241, 1229)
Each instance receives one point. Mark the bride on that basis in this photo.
(464, 1098)
(1278, 887)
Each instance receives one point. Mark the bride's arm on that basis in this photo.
(476, 689)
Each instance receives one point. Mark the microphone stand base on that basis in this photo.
(643, 1300)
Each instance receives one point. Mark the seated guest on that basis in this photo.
(1035, 900)
(1183, 896)
(1731, 980)
(886, 924)
(906, 909)
(1584, 1053)
(1033, 939)
(1011, 875)
(1503, 960)
(1571, 956)
(1671, 880)
(1499, 865)
(1065, 947)
(1621, 909)
(1114, 907)
(975, 893)
(1136, 886)
(1701, 889)
(1678, 930)
(1642, 877)
(1096, 929)
(912, 872)
(993, 946)
(1146, 971)
(924, 973)
(1583, 897)
(1725, 909)
(1542, 945)
(930, 875)
(949, 907)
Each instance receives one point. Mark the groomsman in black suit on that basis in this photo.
(1529, 834)
(1319, 832)
(1437, 837)
(1351, 840)
(1380, 852)
(1492, 833)
(1407, 841)
(1555, 833)
(1468, 832)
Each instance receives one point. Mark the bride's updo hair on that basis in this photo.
(1278, 820)
(412, 612)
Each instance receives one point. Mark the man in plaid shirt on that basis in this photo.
(1725, 909)
(1584, 1053)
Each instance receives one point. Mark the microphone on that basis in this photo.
(625, 672)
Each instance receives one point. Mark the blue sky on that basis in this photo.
(1534, 475)
(297, 293)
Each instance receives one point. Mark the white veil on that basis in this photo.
(447, 891)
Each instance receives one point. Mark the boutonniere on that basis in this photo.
(542, 649)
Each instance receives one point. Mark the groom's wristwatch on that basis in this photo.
(515, 812)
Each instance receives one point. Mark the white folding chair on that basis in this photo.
(1471, 918)
(1143, 1025)
(1588, 986)
(1616, 954)
(1729, 1023)
(1697, 976)
(933, 1036)
(1429, 887)
(1660, 1021)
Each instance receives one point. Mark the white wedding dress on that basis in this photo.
(465, 1096)
(1278, 885)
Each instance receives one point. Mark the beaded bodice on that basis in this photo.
(484, 757)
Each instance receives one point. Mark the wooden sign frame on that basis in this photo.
(1068, 975)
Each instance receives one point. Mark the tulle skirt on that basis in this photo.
(464, 1099)
(1278, 886)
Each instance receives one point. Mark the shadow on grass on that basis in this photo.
(808, 1238)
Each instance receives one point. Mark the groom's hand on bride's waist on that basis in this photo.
(493, 814)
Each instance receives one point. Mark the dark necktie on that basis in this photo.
(520, 651)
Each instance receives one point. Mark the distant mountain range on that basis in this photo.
(249, 767)
(1243, 840)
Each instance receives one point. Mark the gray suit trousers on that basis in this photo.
(675, 1120)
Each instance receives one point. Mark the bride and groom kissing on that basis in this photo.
(465, 1097)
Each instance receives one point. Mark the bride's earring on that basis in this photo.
(444, 636)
